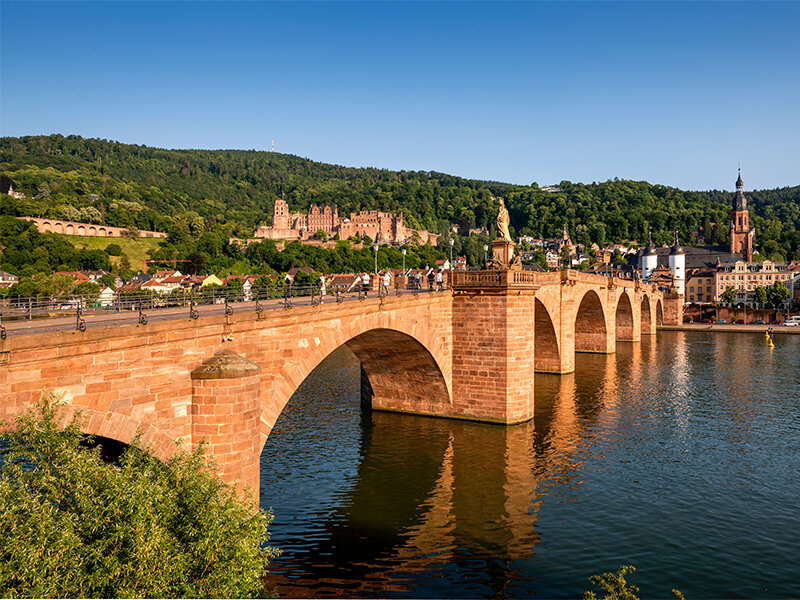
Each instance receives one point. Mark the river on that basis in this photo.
(679, 455)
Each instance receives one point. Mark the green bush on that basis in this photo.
(616, 588)
(75, 526)
(114, 249)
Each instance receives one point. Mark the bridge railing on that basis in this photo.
(503, 278)
(258, 298)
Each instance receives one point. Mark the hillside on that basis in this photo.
(190, 193)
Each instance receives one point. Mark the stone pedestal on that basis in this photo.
(401, 282)
(226, 410)
(502, 251)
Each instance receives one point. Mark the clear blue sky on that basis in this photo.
(678, 93)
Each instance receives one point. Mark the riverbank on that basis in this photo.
(730, 328)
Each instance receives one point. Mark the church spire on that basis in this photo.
(739, 182)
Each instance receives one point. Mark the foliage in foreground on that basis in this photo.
(72, 525)
(616, 588)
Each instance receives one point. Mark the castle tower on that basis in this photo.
(280, 214)
(677, 264)
(649, 261)
(742, 235)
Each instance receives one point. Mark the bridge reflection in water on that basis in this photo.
(379, 504)
(671, 456)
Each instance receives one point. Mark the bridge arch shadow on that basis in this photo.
(646, 316)
(398, 372)
(547, 356)
(624, 318)
(590, 325)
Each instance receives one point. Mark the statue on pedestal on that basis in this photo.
(502, 223)
(503, 245)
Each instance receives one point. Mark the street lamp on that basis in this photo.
(485, 250)
(375, 247)
(452, 241)
(404, 260)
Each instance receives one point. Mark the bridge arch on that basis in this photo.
(659, 313)
(113, 425)
(647, 319)
(591, 333)
(547, 355)
(400, 369)
(624, 319)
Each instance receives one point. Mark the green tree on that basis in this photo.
(321, 235)
(87, 288)
(114, 249)
(60, 285)
(76, 526)
(778, 293)
(109, 281)
(564, 258)
(729, 295)
(124, 267)
(760, 295)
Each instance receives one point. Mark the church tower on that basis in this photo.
(742, 235)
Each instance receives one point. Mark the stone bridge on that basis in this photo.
(468, 353)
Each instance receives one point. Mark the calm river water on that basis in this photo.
(679, 455)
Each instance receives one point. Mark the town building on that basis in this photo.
(701, 285)
(623, 270)
(745, 277)
(7, 279)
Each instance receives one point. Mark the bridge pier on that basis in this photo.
(225, 413)
(493, 346)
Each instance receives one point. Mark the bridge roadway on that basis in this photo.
(466, 353)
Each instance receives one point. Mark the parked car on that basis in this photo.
(706, 321)
(776, 322)
(738, 321)
(720, 321)
(757, 322)
(792, 322)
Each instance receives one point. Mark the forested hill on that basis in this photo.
(189, 192)
(230, 186)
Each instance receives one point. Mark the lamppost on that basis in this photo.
(485, 250)
(404, 260)
(375, 247)
(452, 241)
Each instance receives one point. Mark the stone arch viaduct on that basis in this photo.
(470, 353)
(85, 229)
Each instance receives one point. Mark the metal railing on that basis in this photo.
(258, 299)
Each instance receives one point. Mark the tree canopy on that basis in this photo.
(76, 526)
